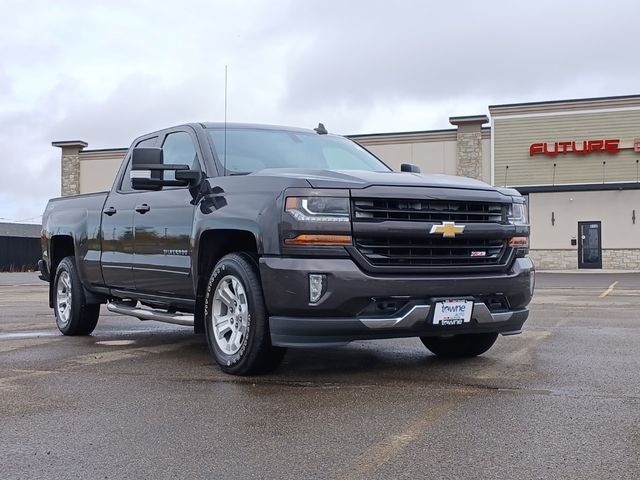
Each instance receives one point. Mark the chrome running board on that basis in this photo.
(150, 314)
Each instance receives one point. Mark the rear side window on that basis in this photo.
(125, 183)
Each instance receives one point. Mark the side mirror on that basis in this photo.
(192, 177)
(409, 167)
(147, 170)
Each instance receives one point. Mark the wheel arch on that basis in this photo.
(212, 245)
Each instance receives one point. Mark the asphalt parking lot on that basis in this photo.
(143, 400)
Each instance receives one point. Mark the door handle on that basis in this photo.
(109, 211)
(144, 208)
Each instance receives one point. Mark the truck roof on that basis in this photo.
(255, 126)
(205, 125)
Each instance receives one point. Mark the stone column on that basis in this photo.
(70, 166)
(469, 145)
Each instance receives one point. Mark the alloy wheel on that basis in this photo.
(63, 297)
(230, 312)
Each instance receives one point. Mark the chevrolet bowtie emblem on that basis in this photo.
(447, 229)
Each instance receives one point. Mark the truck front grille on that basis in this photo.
(378, 223)
(372, 209)
(431, 251)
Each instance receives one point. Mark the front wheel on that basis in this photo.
(236, 321)
(465, 345)
(74, 316)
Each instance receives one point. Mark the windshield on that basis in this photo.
(249, 150)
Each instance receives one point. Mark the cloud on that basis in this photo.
(106, 74)
(29, 175)
(427, 52)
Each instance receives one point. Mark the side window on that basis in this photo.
(125, 183)
(178, 148)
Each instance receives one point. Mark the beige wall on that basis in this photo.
(98, 170)
(613, 208)
(513, 136)
(432, 155)
(486, 160)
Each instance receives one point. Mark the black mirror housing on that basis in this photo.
(409, 167)
(144, 175)
(146, 156)
(192, 176)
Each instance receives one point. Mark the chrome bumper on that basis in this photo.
(418, 313)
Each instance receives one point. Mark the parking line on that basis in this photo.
(384, 450)
(86, 360)
(27, 342)
(609, 290)
(109, 356)
(30, 334)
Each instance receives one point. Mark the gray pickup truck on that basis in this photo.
(264, 238)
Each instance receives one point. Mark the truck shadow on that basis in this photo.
(375, 361)
(366, 363)
(358, 363)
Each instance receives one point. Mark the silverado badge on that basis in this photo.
(447, 229)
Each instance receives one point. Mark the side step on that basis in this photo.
(150, 314)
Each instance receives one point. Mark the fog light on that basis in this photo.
(317, 286)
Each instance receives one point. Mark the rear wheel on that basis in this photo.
(74, 316)
(236, 321)
(466, 345)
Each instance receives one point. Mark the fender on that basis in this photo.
(251, 203)
(81, 223)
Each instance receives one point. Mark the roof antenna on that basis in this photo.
(320, 130)
(224, 162)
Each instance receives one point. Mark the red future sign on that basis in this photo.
(564, 148)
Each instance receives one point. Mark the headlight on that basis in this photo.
(318, 209)
(518, 214)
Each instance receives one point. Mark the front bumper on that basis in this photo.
(344, 313)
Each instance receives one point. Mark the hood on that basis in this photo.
(355, 179)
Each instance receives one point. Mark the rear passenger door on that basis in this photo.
(163, 222)
(117, 227)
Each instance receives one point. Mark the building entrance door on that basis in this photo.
(589, 245)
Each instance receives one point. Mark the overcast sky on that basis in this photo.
(106, 74)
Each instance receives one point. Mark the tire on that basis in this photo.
(74, 316)
(236, 320)
(460, 346)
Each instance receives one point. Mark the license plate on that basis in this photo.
(452, 312)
